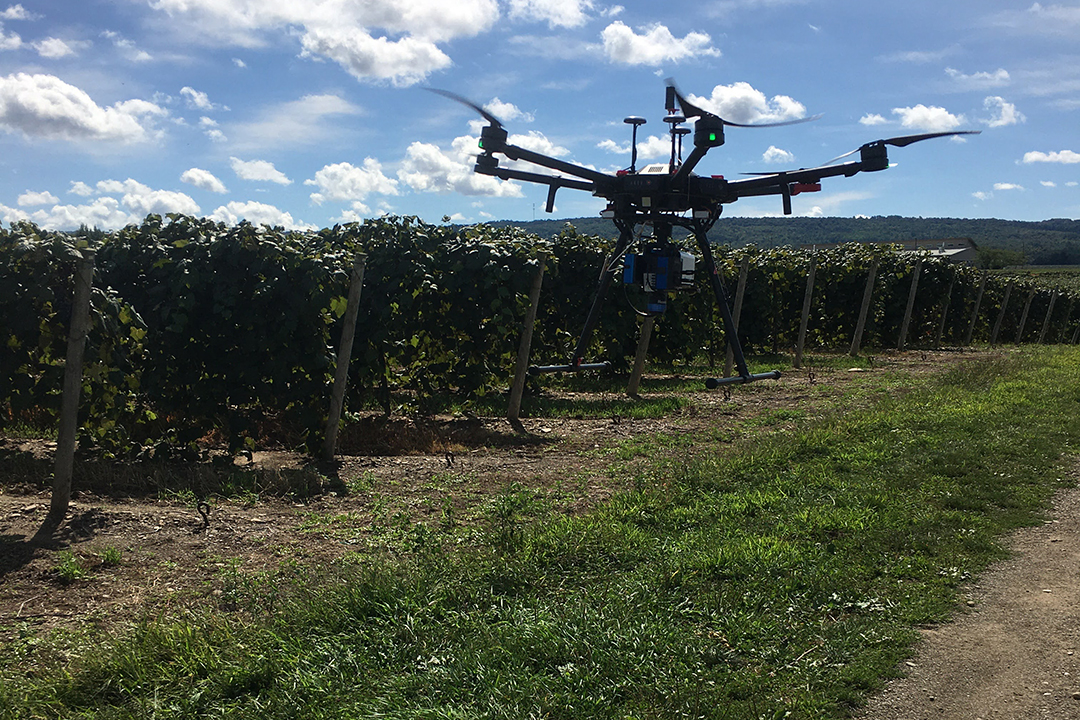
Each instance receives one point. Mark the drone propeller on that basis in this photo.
(904, 141)
(690, 110)
(468, 103)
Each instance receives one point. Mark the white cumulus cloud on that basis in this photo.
(556, 13)
(405, 61)
(258, 171)
(980, 80)
(44, 106)
(742, 103)
(104, 213)
(9, 41)
(204, 180)
(1004, 113)
(142, 200)
(210, 128)
(257, 213)
(776, 155)
(33, 199)
(196, 99)
(53, 48)
(1064, 157)
(428, 168)
(655, 45)
(344, 181)
(373, 40)
(1008, 186)
(507, 111)
(928, 119)
(17, 12)
(872, 119)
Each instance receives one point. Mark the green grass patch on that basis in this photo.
(779, 575)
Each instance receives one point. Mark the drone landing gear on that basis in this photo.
(666, 251)
(580, 367)
(713, 383)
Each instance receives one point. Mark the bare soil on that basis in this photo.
(1009, 655)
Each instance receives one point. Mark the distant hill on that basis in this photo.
(1048, 242)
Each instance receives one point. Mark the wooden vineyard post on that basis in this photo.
(970, 334)
(945, 313)
(639, 357)
(344, 356)
(64, 462)
(1068, 319)
(1046, 322)
(525, 347)
(906, 324)
(1024, 317)
(804, 321)
(1001, 315)
(736, 313)
(856, 342)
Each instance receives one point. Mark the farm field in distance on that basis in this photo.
(761, 554)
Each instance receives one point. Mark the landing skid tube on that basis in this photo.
(580, 367)
(713, 383)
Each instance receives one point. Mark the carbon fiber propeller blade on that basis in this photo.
(468, 103)
(904, 141)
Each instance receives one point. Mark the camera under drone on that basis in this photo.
(646, 204)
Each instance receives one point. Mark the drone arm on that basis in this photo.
(514, 152)
(553, 183)
(773, 184)
(550, 180)
(688, 165)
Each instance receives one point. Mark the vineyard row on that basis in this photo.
(201, 329)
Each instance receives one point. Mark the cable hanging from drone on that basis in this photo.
(667, 195)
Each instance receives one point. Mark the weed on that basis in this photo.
(68, 568)
(362, 483)
(111, 556)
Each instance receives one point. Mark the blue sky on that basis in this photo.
(310, 113)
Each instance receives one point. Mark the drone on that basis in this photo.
(662, 196)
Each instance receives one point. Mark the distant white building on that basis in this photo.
(955, 250)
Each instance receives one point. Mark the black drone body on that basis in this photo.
(666, 195)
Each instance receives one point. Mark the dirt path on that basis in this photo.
(1016, 654)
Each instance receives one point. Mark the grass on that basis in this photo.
(778, 575)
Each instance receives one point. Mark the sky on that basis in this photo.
(308, 113)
